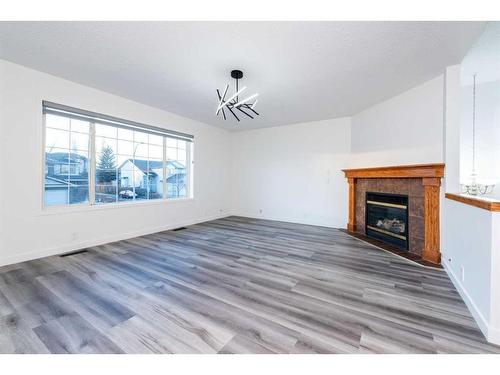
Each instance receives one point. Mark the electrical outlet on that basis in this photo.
(260, 210)
(74, 236)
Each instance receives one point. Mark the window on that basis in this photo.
(96, 159)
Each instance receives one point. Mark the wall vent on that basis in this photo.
(73, 253)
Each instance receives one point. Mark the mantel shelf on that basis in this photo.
(398, 171)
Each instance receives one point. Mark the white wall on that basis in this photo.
(483, 59)
(406, 129)
(452, 131)
(470, 236)
(471, 256)
(29, 232)
(293, 173)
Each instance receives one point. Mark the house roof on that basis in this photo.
(147, 166)
(55, 183)
(63, 157)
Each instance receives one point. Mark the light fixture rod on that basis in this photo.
(224, 104)
(246, 100)
(221, 99)
(474, 124)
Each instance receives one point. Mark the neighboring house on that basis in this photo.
(56, 191)
(139, 174)
(66, 177)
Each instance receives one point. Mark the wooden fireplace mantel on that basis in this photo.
(430, 175)
(398, 171)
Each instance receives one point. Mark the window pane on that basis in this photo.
(141, 137)
(55, 194)
(80, 126)
(56, 138)
(171, 142)
(155, 181)
(78, 177)
(126, 135)
(66, 177)
(155, 152)
(177, 172)
(104, 143)
(57, 162)
(78, 194)
(171, 153)
(106, 173)
(125, 147)
(156, 140)
(79, 141)
(105, 131)
(57, 122)
(139, 182)
(106, 193)
(56, 186)
(106, 185)
(141, 150)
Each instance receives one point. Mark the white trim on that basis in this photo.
(164, 177)
(189, 167)
(92, 164)
(96, 242)
(42, 181)
(286, 219)
(473, 309)
(85, 207)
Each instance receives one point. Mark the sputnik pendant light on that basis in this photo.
(233, 104)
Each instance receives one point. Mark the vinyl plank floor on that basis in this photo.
(234, 285)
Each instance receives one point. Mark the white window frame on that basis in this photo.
(91, 204)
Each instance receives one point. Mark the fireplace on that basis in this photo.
(387, 218)
(420, 185)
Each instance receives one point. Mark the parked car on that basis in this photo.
(127, 194)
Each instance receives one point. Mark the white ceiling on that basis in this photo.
(303, 71)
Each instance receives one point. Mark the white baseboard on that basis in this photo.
(491, 334)
(101, 241)
(291, 220)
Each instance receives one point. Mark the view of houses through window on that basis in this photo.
(125, 165)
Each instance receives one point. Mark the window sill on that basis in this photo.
(61, 210)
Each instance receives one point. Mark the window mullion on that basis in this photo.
(189, 172)
(92, 165)
(165, 195)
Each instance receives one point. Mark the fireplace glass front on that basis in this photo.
(387, 218)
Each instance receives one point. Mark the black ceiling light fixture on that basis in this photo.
(233, 104)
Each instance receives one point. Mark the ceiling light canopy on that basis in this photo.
(233, 104)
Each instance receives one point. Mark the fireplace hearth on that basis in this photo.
(387, 218)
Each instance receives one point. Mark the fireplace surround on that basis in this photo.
(421, 184)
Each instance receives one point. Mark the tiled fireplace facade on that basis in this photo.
(413, 188)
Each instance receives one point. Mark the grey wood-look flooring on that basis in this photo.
(234, 285)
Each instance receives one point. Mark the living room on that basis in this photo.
(249, 186)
